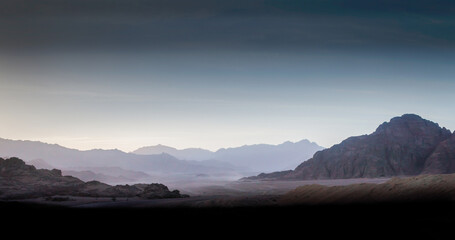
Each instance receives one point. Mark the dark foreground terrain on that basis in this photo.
(421, 206)
(42, 202)
(358, 221)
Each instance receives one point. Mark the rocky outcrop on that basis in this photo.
(18, 180)
(407, 145)
(152, 191)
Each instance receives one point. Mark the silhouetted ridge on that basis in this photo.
(406, 145)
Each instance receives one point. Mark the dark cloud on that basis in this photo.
(221, 24)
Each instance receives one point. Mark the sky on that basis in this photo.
(213, 74)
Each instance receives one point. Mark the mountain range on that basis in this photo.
(405, 146)
(259, 157)
(160, 162)
(110, 175)
(55, 156)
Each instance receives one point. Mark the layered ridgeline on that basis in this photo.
(160, 162)
(19, 181)
(405, 146)
(112, 162)
(258, 157)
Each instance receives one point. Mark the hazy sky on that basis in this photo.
(125, 74)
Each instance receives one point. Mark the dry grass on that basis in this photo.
(419, 188)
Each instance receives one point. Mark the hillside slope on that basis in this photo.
(440, 187)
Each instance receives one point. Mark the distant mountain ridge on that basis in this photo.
(231, 163)
(66, 158)
(109, 175)
(404, 146)
(184, 154)
(258, 157)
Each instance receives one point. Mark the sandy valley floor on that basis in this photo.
(203, 193)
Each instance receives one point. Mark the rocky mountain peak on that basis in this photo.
(406, 145)
(412, 123)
